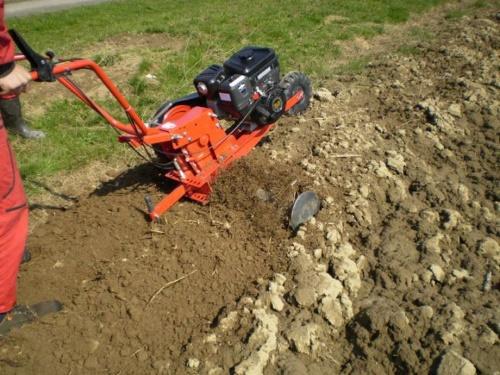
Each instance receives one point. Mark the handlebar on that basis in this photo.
(38, 63)
(46, 70)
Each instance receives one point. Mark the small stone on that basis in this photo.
(427, 311)
(216, 371)
(305, 296)
(193, 363)
(318, 253)
(487, 335)
(397, 191)
(461, 274)
(454, 364)
(301, 233)
(454, 326)
(346, 304)
(429, 216)
(362, 263)
(437, 272)
(487, 215)
(280, 278)
(450, 219)
(382, 171)
(396, 162)
(347, 271)
(320, 226)
(455, 110)
(210, 339)
(93, 345)
(329, 201)
(263, 195)
(344, 144)
(427, 276)
(321, 268)
(324, 95)
(328, 286)
(463, 192)
(431, 245)
(331, 310)
(476, 205)
(489, 248)
(302, 337)
(333, 236)
(229, 321)
(277, 303)
(364, 191)
(246, 300)
(397, 84)
(345, 250)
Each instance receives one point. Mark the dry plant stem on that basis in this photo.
(156, 231)
(170, 283)
(339, 156)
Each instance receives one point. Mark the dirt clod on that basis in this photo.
(453, 363)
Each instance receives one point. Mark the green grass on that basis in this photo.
(74, 136)
(411, 48)
(209, 33)
(354, 66)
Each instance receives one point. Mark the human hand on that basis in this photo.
(16, 81)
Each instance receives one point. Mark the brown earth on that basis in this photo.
(398, 273)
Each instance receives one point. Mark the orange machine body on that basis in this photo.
(191, 137)
(201, 147)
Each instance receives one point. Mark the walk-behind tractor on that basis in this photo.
(186, 138)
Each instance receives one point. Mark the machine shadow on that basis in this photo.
(142, 175)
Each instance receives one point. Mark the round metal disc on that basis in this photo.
(305, 206)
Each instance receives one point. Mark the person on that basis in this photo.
(13, 204)
(12, 115)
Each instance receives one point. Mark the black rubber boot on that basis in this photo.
(23, 314)
(14, 121)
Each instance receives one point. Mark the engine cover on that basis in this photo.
(235, 95)
(246, 83)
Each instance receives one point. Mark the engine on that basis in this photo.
(245, 87)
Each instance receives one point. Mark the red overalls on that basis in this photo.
(13, 204)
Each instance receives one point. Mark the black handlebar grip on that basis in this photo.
(38, 63)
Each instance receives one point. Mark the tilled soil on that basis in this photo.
(398, 273)
(105, 262)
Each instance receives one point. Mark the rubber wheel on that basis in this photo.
(293, 82)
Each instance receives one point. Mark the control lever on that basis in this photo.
(38, 63)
